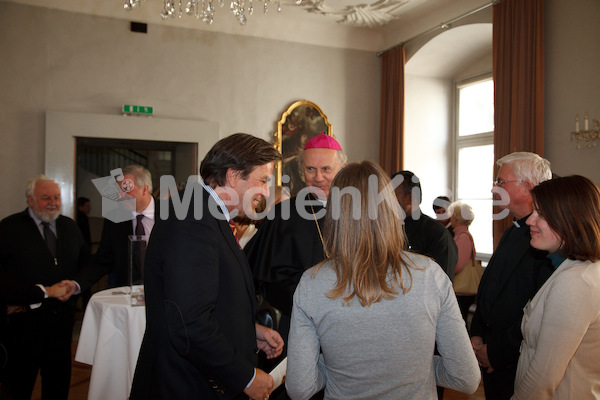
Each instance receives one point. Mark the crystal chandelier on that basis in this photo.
(205, 9)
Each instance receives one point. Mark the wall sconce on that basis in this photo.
(587, 136)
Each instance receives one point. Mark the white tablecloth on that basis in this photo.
(110, 340)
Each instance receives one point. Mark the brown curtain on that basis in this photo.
(518, 48)
(392, 111)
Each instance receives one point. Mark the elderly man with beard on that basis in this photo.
(44, 255)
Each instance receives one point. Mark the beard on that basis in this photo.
(48, 214)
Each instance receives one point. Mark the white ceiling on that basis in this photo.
(371, 25)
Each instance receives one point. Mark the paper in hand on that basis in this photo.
(278, 373)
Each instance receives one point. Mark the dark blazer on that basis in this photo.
(428, 237)
(283, 249)
(13, 292)
(25, 261)
(513, 276)
(200, 340)
(113, 252)
(25, 258)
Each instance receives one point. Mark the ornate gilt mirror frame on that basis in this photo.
(301, 121)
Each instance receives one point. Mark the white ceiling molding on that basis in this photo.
(329, 23)
(362, 15)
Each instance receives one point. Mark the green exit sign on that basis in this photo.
(130, 109)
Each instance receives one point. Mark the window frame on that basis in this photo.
(474, 140)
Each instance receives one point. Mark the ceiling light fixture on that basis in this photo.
(205, 9)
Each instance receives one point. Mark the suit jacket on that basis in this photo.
(13, 292)
(513, 276)
(113, 252)
(200, 339)
(428, 237)
(26, 260)
(283, 249)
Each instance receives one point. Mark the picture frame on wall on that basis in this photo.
(300, 122)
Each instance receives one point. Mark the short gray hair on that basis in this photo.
(141, 176)
(528, 166)
(33, 181)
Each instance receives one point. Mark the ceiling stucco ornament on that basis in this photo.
(358, 15)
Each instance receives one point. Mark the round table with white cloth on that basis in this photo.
(110, 340)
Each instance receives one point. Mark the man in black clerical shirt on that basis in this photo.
(425, 235)
(513, 276)
(285, 247)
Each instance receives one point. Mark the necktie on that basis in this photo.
(140, 252)
(50, 238)
(234, 231)
(139, 227)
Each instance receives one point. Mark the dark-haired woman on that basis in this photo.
(561, 325)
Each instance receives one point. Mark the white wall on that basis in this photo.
(56, 60)
(427, 145)
(572, 83)
(572, 86)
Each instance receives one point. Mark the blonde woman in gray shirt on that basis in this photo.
(366, 320)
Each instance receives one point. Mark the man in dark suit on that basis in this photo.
(113, 253)
(38, 248)
(201, 338)
(15, 297)
(84, 206)
(513, 276)
(425, 235)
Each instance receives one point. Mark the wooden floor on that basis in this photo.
(80, 379)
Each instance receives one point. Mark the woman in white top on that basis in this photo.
(366, 320)
(561, 325)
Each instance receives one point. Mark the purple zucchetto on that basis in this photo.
(323, 141)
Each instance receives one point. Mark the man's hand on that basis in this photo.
(61, 290)
(261, 387)
(71, 288)
(57, 290)
(480, 350)
(268, 341)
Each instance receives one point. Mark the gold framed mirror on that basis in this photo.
(301, 121)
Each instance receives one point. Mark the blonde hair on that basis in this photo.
(461, 212)
(365, 242)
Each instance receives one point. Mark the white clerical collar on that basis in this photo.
(521, 222)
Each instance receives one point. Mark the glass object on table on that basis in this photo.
(137, 254)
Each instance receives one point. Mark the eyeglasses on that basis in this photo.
(500, 182)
